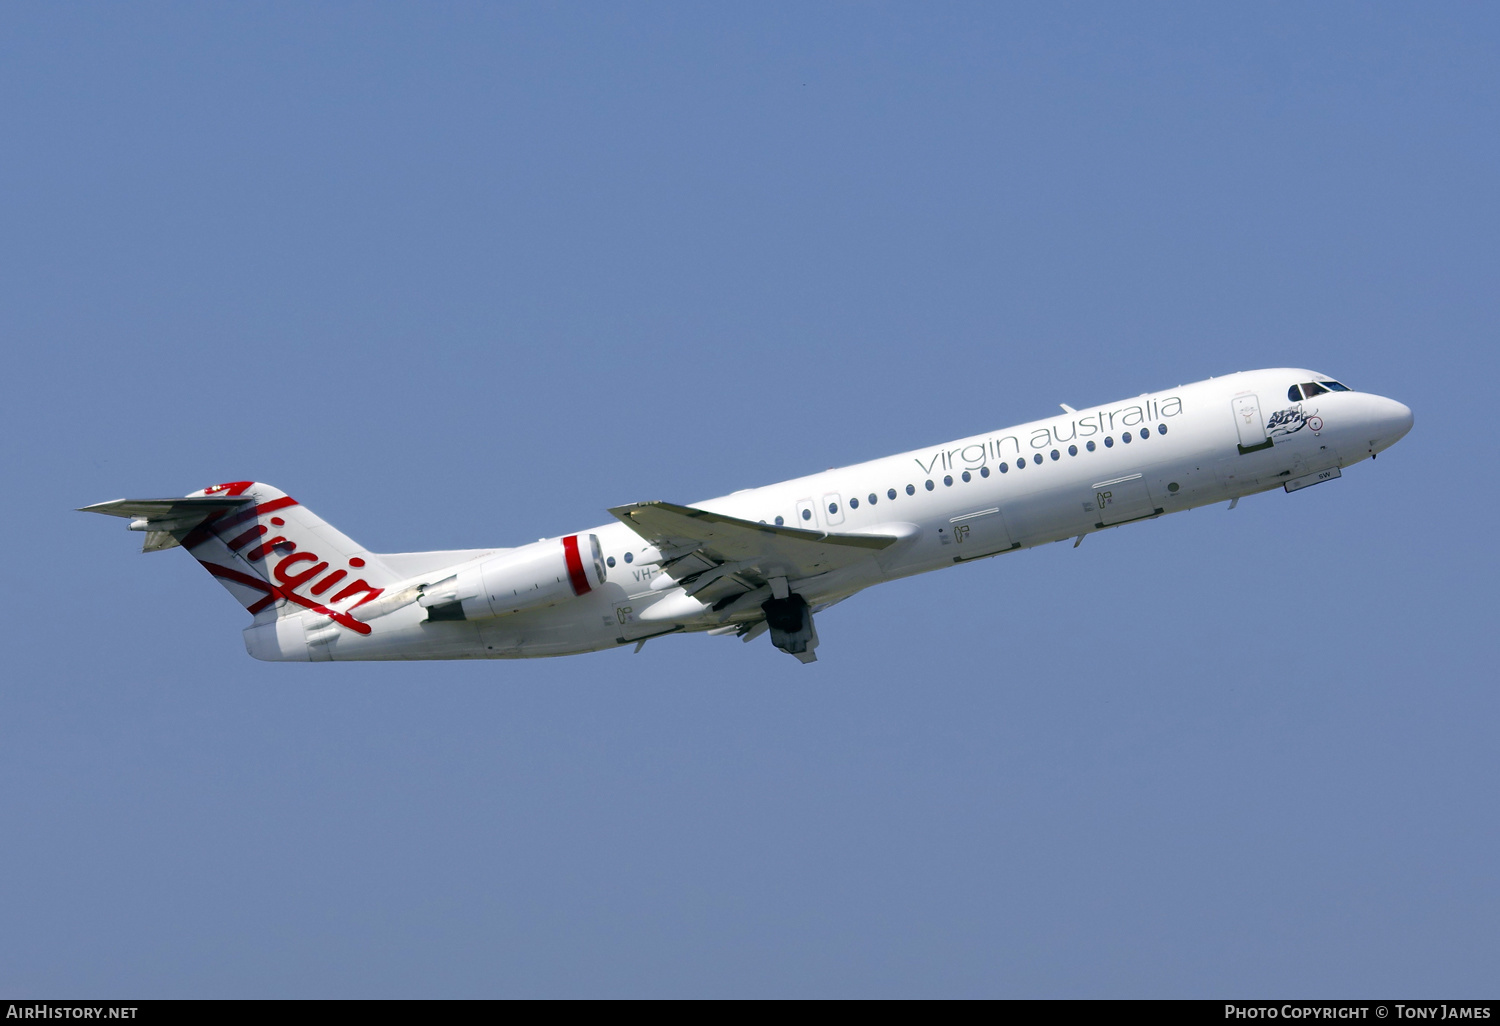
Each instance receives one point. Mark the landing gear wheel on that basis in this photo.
(792, 628)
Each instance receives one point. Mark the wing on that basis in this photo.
(717, 558)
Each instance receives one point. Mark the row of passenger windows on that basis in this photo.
(966, 476)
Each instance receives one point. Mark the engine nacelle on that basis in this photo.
(531, 577)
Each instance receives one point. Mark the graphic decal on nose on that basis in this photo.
(1291, 420)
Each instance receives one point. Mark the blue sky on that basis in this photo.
(468, 275)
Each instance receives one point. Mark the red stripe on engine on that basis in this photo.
(575, 566)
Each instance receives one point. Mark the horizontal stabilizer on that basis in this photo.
(164, 520)
(165, 509)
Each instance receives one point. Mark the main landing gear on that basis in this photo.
(792, 628)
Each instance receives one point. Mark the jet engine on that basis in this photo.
(530, 577)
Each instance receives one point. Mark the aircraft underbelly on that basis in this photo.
(560, 630)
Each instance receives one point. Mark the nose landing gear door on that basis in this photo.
(1250, 424)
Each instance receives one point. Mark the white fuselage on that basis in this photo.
(1060, 477)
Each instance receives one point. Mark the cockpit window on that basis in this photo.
(1308, 389)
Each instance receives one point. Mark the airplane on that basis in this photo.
(767, 560)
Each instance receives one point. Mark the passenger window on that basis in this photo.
(780, 521)
(984, 471)
(966, 477)
(872, 498)
(1005, 468)
(930, 486)
(1125, 438)
(890, 493)
(948, 480)
(1072, 450)
(610, 561)
(853, 504)
(1161, 429)
(1294, 394)
(807, 514)
(1145, 432)
(1089, 446)
(630, 557)
(1037, 459)
(1056, 454)
(1109, 443)
(911, 489)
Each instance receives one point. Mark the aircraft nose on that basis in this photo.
(1390, 423)
(1398, 421)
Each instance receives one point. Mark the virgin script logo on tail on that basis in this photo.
(290, 570)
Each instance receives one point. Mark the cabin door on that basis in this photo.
(1250, 424)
